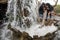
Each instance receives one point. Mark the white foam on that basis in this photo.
(35, 30)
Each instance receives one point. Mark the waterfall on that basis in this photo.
(14, 10)
(18, 19)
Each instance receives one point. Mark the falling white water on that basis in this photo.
(14, 10)
(34, 28)
(11, 14)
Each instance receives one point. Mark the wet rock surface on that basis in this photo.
(49, 36)
(25, 36)
(17, 35)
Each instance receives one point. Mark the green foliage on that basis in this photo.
(57, 9)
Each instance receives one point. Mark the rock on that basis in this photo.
(25, 36)
(3, 1)
(35, 37)
(57, 37)
(39, 20)
(48, 22)
(57, 23)
(29, 38)
(28, 23)
(16, 33)
(26, 12)
(49, 36)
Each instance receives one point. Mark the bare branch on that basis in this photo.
(55, 3)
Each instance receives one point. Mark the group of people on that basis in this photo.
(48, 8)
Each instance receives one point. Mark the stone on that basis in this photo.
(16, 33)
(25, 34)
(35, 37)
(48, 22)
(39, 20)
(29, 38)
(28, 23)
(26, 12)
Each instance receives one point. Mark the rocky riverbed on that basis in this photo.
(17, 35)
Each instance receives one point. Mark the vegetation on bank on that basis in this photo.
(57, 9)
